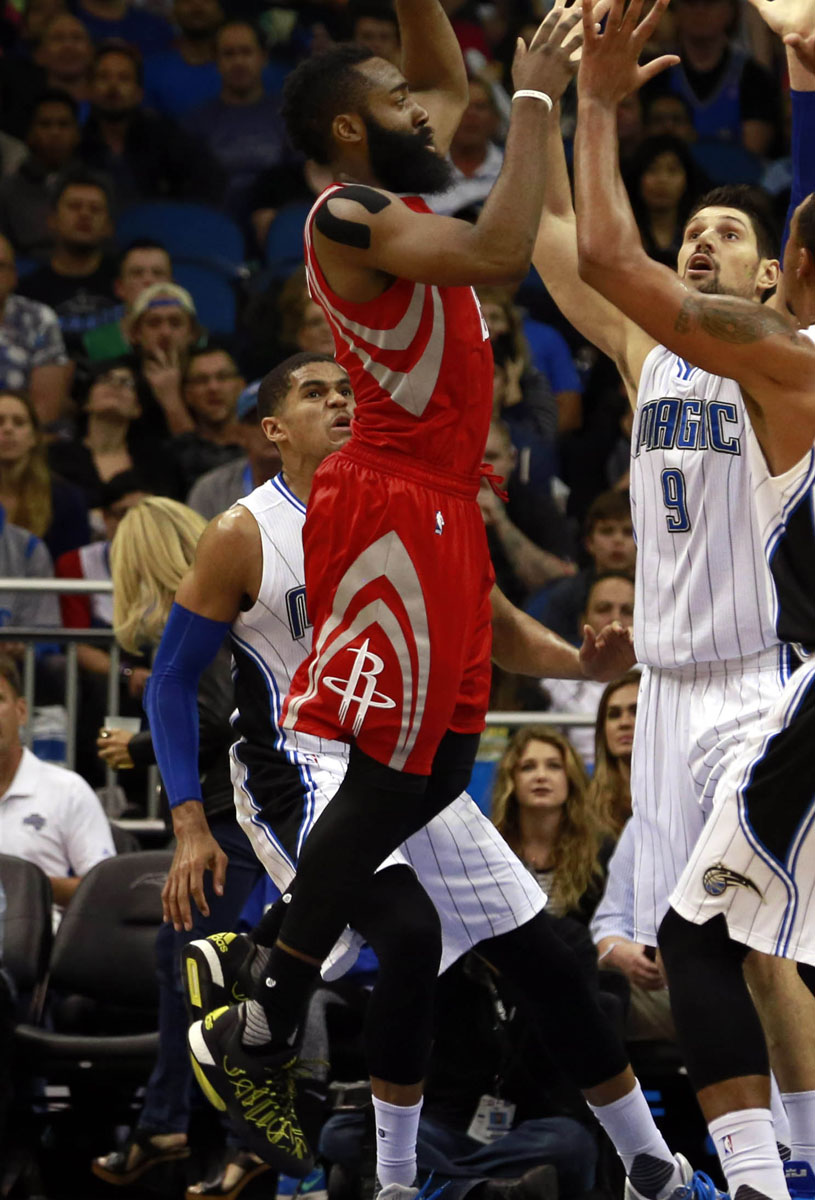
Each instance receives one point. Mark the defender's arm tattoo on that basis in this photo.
(340, 229)
(730, 319)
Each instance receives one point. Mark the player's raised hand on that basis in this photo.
(609, 66)
(549, 63)
(608, 654)
(794, 22)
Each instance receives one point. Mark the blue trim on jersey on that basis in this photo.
(279, 484)
(778, 868)
(806, 822)
(807, 482)
(310, 788)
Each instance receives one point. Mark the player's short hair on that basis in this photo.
(11, 673)
(275, 386)
(317, 91)
(612, 505)
(806, 224)
(754, 203)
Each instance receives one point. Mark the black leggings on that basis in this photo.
(375, 809)
(719, 1030)
(578, 1035)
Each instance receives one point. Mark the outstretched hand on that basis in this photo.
(608, 654)
(609, 67)
(794, 22)
(550, 62)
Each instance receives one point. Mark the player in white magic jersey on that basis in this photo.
(247, 582)
(709, 315)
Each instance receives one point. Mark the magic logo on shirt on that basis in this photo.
(671, 423)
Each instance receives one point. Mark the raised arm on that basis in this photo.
(361, 230)
(433, 65)
(555, 259)
(725, 335)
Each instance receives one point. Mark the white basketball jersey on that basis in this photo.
(271, 639)
(785, 508)
(703, 587)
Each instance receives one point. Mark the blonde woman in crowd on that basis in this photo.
(152, 551)
(31, 495)
(541, 807)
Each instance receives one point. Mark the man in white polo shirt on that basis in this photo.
(48, 815)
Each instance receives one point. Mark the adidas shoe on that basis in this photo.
(215, 972)
(686, 1172)
(315, 1186)
(800, 1179)
(256, 1094)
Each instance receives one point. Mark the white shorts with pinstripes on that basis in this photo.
(691, 722)
(755, 858)
(479, 887)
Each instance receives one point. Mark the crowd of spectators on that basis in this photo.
(113, 389)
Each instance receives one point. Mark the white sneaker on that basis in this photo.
(685, 1170)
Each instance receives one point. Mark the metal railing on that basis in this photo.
(72, 638)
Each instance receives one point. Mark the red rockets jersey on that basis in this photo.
(420, 362)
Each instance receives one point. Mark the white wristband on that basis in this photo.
(547, 100)
(607, 951)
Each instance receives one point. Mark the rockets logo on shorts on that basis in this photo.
(347, 688)
(718, 878)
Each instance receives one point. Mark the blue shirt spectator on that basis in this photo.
(551, 355)
(242, 125)
(106, 19)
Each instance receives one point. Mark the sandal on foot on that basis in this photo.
(113, 1168)
(250, 1167)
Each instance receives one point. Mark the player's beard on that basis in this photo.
(403, 162)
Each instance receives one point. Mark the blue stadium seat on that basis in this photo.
(284, 244)
(189, 230)
(726, 162)
(212, 287)
(25, 265)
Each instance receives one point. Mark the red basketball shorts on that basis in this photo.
(398, 581)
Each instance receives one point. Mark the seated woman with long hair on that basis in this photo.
(153, 549)
(610, 787)
(541, 807)
(32, 496)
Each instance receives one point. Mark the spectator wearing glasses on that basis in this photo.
(32, 352)
(212, 385)
(110, 442)
(220, 488)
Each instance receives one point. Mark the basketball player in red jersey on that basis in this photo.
(397, 571)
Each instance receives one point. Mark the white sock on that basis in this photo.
(651, 1168)
(745, 1144)
(781, 1122)
(397, 1128)
(800, 1108)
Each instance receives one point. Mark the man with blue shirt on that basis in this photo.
(180, 78)
(242, 125)
(120, 19)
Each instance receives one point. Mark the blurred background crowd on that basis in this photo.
(151, 217)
